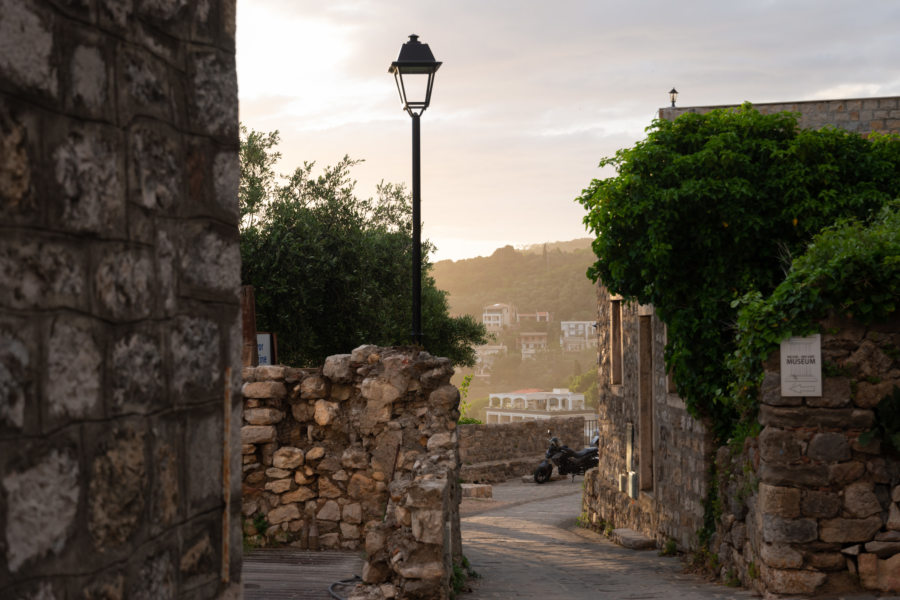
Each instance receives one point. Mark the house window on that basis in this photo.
(615, 327)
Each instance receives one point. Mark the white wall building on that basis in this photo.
(577, 335)
(536, 405)
(499, 316)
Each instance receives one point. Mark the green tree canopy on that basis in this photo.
(331, 270)
(710, 207)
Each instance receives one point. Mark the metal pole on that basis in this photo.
(417, 235)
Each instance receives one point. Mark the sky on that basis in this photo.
(532, 94)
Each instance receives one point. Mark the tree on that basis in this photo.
(331, 270)
(710, 207)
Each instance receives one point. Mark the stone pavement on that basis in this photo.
(526, 544)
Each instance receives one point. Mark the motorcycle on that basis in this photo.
(567, 461)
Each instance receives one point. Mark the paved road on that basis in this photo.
(525, 544)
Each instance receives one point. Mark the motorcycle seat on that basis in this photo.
(585, 452)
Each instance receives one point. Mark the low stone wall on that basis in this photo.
(365, 452)
(501, 451)
(809, 509)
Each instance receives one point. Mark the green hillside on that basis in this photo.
(547, 277)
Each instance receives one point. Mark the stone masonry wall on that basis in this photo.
(682, 448)
(119, 271)
(861, 115)
(364, 450)
(809, 509)
(497, 452)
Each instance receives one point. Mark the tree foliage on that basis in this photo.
(710, 207)
(331, 270)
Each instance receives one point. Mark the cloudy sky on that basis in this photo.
(533, 93)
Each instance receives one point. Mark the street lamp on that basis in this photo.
(414, 73)
(673, 94)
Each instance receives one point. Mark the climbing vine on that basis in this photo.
(710, 208)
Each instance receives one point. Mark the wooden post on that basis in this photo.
(249, 351)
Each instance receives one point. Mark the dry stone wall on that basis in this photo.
(119, 270)
(809, 508)
(500, 451)
(361, 454)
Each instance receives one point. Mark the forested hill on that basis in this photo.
(532, 278)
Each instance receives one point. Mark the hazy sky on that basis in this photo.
(532, 94)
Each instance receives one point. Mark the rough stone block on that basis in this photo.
(776, 529)
(301, 494)
(883, 549)
(780, 501)
(844, 473)
(18, 358)
(835, 393)
(337, 368)
(325, 412)
(278, 486)
(784, 581)
(868, 395)
(893, 522)
(42, 274)
(89, 167)
(257, 434)
(117, 490)
(42, 505)
(136, 373)
(203, 449)
(355, 458)
(263, 416)
(860, 500)
(213, 93)
(196, 358)
(330, 511)
(283, 514)
(820, 504)
(849, 530)
(829, 447)
(316, 453)
(287, 457)
(352, 513)
(805, 475)
(781, 556)
(264, 390)
(26, 47)
(74, 369)
(792, 417)
(827, 561)
(428, 526)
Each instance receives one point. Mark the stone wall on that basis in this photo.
(809, 509)
(364, 450)
(119, 269)
(861, 115)
(670, 505)
(501, 451)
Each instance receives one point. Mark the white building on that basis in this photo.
(577, 335)
(499, 316)
(485, 356)
(536, 405)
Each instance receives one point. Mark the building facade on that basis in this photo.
(497, 317)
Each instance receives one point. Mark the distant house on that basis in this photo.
(577, 335)
(536, 405)
(497, 317)
(535, 317)
(532, 342)
(485, 356)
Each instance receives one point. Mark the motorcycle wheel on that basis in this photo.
(542, 475)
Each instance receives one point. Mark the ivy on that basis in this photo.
(850, 269)
(708, 210)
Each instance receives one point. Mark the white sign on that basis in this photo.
(801, 366)
(264, 348)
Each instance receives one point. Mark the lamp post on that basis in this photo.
(414, 73)
(673, 94)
